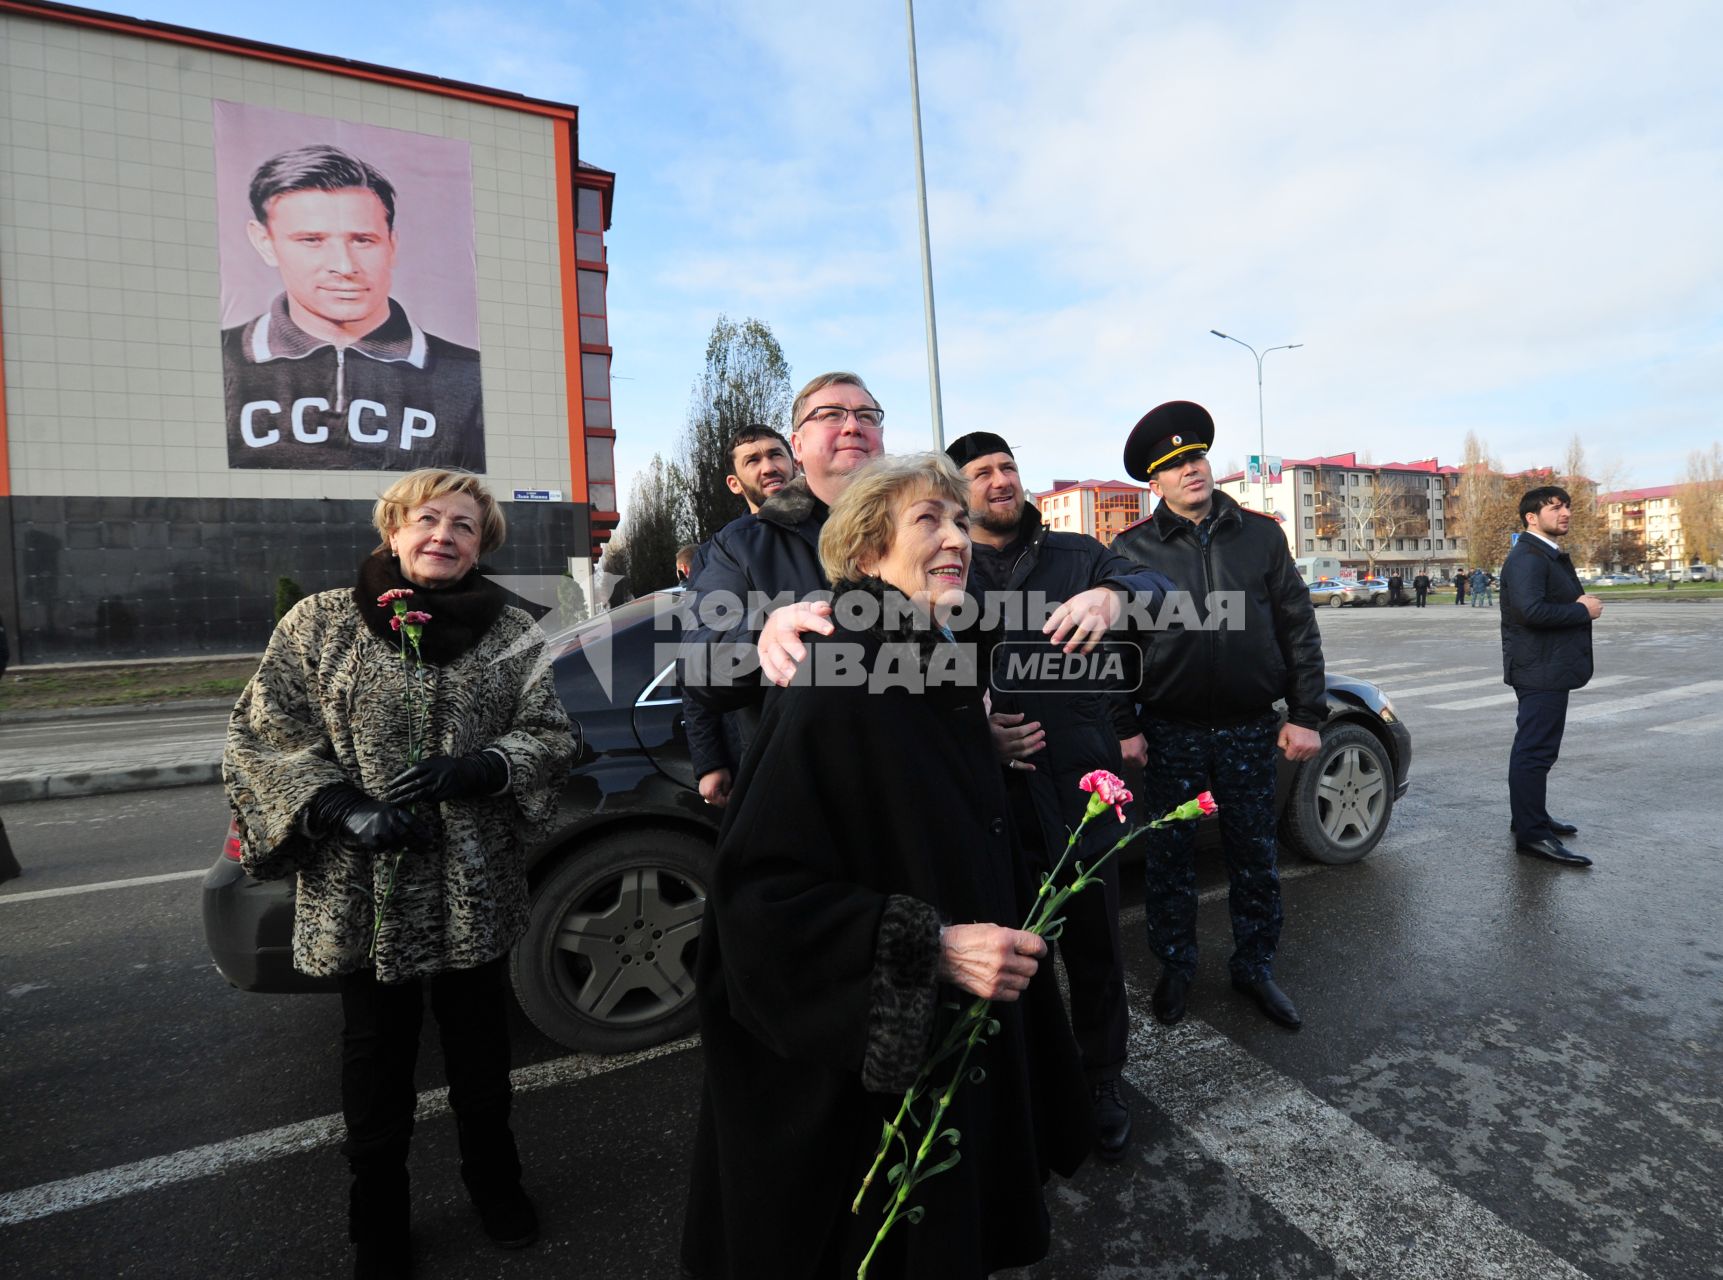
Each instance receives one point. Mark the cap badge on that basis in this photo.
(1178, 439)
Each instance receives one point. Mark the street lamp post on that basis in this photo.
(926, 246)
(1261, 433)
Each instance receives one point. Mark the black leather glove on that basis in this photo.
(361, 822)
(480, 773)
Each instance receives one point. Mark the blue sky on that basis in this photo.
(1506, 219)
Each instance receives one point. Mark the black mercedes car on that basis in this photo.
(607, 961)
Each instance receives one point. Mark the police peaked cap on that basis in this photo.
(977, 444)
(1163, 433)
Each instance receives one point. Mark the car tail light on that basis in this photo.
(231, 848)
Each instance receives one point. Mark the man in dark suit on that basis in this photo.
(1546, 653)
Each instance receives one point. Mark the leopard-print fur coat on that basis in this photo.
(328, 704)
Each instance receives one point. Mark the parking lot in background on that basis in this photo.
(1508, 1068)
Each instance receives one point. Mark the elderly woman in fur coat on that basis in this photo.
(411, 876)
(866, 876)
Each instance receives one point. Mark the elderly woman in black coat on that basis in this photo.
(866, 879)
(403, 791)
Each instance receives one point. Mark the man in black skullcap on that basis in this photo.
(1247, 638)
(1052, 736)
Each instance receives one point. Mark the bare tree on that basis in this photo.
(1588, 530)
(1699, 497)
(746, 381)
(651, 529)
(1486, 505)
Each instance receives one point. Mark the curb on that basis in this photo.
(41, 714)
(100, 782)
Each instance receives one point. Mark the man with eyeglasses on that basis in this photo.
(837, 429)
(1208, 694)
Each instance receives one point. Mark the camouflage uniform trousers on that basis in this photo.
(1237, 765)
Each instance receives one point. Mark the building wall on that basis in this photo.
(117, 493)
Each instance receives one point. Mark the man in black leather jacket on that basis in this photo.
(1052, 736)
(1242, 636)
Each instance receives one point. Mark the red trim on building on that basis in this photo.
(575, 391)
(241, 47)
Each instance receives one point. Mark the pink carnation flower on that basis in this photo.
(393, 594)
(1206, 801)
(1108, 788)
(419, 616)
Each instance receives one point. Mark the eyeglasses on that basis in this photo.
(833, 415)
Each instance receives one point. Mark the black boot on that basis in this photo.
(1112, 1119)
(508, 1214)
(378, 1218)
(490, 1168)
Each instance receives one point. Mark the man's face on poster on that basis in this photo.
(336, 256)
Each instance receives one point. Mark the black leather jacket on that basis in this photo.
(1228, 661)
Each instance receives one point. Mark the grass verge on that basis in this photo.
(121, 685)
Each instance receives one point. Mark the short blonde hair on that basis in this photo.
(416, 488)
(818, 385)
(862, 524)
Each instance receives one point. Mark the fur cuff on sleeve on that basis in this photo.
(904, 995)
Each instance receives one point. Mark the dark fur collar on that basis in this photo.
(792, 505)
(460, 615)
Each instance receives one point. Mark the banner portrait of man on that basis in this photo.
(349, 295)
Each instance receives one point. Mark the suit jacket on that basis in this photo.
(1546, 633)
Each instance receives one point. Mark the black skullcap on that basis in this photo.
(1163, 433)
(977, 444)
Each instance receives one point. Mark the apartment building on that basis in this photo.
(1103, 509)
(1390, 516)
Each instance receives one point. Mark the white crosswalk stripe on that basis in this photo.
(1509, 697)
(1662, 697)
(1447, 686)
(1690, 728)
(1379, 1214)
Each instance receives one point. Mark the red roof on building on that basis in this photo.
(1638, 495)
(1059, 486)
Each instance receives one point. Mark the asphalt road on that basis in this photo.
(1508, 1068)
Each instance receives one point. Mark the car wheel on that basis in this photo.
(607, 960)
(1341, 800)
(1337, 599)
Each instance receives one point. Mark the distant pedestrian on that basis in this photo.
(1546, 653)
(1459, 586)
(1396, 589)
(1421, 587)
(1480, 586)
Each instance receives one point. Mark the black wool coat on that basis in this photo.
(860, 821)
(1546, 633)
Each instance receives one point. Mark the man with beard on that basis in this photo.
(1069, 733)
(1546, 653)
(1208, 696)
(760, 466)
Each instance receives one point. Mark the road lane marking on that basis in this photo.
(1616, 706)
(1496, 699)
(291, 1139)
(133, 883)
(1378, 1214)
(1704, 724)
(1452, 686)
(1341, 667)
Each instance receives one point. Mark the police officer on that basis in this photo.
(1244, 636)
(1052, 736)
